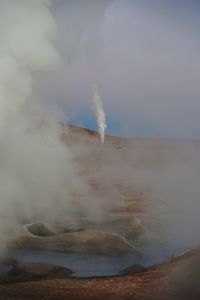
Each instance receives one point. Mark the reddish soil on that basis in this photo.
(159, 282)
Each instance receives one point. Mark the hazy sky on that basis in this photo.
(144, 55)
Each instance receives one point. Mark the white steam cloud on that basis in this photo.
(37, 172)
(100, 114)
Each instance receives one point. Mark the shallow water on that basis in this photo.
(84, 265)
(81, 265)
(153, 250)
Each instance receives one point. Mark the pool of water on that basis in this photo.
(81, 265)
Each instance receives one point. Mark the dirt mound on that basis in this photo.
(88, 242)
(130, 228)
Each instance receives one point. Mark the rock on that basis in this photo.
(132, 269)
(39, 229)
(33, 271)
(40, 270)
(6, 265)
(8, 261)
(82, 242)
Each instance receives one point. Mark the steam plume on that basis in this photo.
(36, 168)
(100, 114)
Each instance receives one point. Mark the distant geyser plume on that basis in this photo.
(37, 172)
(100, 114)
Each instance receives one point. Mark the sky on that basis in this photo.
(144, 56)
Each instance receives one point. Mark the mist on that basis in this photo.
(163, 176)
(38, 175)
(144, 57)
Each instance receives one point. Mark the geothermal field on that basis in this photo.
(85, 214)
(129, 228)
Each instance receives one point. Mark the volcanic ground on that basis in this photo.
(120, 243)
